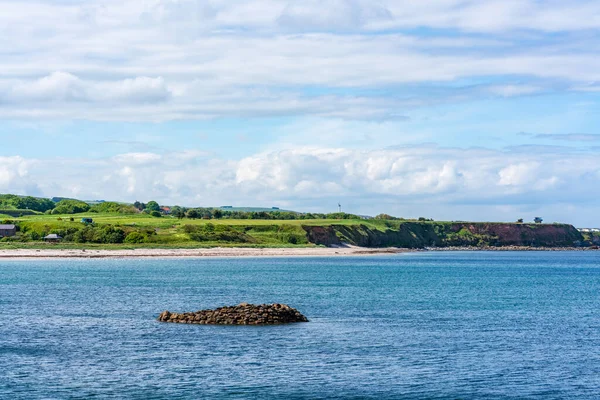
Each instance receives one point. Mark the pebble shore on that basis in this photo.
(510, 248)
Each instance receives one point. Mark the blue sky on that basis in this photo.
(451, 109)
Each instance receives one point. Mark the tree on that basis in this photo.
(177, 212)
(520, 220)
(35, 204)
(152, 206)
(218, 214)
(11, 201)
(192, 214)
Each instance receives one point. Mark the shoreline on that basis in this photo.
(226, 252)
(200, 253)
(508, 248)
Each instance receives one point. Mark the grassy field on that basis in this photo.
(174, 245)
(171, 224)
(147, 220)
(170, 232)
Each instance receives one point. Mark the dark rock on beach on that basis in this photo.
(242, 314)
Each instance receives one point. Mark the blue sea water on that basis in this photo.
(465, 325)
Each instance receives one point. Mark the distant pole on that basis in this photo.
(339, 207)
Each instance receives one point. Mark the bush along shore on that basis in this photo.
(242, 314)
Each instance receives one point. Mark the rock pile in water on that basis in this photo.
(242, 314)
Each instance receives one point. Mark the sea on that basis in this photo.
(429, 325)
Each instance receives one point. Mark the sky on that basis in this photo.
(484, 110)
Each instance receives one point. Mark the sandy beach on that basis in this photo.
(213, 252)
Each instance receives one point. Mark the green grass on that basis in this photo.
(170, 232)
(145, 220)
(178, 245)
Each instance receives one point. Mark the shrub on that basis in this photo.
(216, 233)
(386, 217)
(156, 214)
(136, 237)
(107, 234)
(190, 228)
(70, 207)
(113, 207)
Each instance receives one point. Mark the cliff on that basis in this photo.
(445, 234)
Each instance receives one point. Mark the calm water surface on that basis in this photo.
(431, 325)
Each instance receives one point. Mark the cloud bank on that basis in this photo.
(392, 180)
(191, 59)
(349, 77)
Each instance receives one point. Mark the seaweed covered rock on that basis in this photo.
(242, 314)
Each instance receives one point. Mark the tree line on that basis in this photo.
(72, 206)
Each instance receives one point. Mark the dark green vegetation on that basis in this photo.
(70, 207)
(11, 202)
(593, 238)
(150, 225)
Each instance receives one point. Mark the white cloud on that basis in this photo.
(15, 175)
(140, 89)
(65, 87)
(336, 14)
(190, 59)
(514, 90)
(519, 174)
(58, 86)
(402, 180)
(139, 159)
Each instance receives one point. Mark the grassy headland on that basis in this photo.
(111, 231)
(138, 225)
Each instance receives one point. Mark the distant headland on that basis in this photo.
(31, 223)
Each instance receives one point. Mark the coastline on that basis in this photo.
(226, 252)
(200, 253)
(508, 248)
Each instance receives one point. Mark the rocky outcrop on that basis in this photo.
(242, 314)
(322, 235)
(415, 235)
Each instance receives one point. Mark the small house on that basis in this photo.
(165, 210)
(8, 230)
(538, 220)
(87, 221)
(53, 237)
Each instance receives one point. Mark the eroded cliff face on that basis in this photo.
(419, 235)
